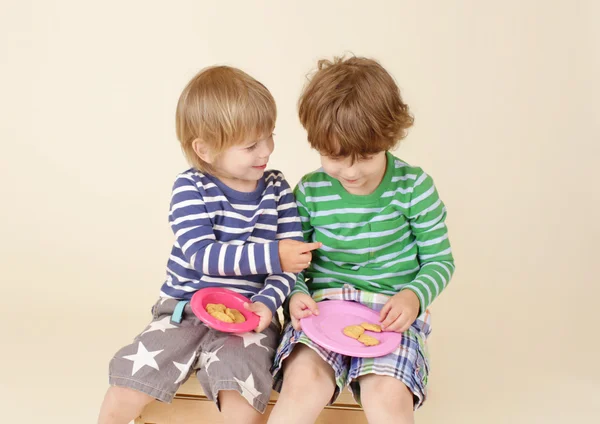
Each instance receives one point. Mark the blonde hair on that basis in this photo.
(353, 108)
(222, 107)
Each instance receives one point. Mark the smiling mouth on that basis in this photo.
(260, 167)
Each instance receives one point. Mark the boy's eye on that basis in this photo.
(251, 147)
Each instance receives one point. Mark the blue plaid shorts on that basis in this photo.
(409, 363)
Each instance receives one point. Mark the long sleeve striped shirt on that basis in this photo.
(392, 239)
(226, 238)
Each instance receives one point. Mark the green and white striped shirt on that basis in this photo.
(392, 239)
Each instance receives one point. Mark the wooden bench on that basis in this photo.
(191, 405)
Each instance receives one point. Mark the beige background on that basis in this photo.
(505, 96)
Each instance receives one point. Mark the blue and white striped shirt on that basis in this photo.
(226, 238)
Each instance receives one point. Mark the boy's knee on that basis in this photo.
(235, 408)
(124, 396)
(121, 405)
(307, 374)
(312, 383)
(397, 397)
(308, 377)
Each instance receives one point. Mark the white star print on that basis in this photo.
(208, 358)
(248, 389)
(184, 368)
(253, 338)
(162, 325)
(143, 357)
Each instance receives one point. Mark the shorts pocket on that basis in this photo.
(421, 369)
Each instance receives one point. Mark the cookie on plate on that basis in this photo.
(368, 340)
(235, 315)
(371, 327)
(354, 331)
(221, 316)
(215, 307)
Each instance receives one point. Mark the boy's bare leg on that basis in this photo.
(386, 400)
(308, 384)
(121, 405)
(236, 409)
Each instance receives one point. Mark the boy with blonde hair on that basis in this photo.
(384, 244)
(236, 226)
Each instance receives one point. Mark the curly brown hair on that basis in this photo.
(353, 108)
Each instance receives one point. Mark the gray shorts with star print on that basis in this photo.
(166, 353)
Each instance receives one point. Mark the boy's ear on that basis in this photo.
(201, 149)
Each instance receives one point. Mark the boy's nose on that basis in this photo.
(265, 151)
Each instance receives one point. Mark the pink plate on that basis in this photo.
(326, 329)
(231, 300)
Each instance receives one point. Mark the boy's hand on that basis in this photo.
(264, 313)
(399, 313)
(302, 306)
(295, 256)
